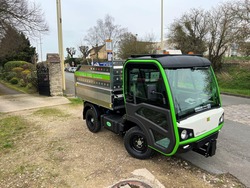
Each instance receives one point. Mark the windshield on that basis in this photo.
(193, 90)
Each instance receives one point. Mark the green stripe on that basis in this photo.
(202, 136)
(92, 75)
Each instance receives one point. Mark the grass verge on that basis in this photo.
(52, 112)
(236, 58)
(75, 101)
(10, 129)
(235, 79)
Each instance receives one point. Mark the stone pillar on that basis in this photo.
(55, 74)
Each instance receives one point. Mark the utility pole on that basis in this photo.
(41, 49)
(162, 45)
(60, 41)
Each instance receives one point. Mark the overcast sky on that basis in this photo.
(140, 17)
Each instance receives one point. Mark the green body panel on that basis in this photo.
(93, 75)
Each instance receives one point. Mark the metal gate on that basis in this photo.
(43, 83)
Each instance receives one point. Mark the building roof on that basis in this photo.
(98, 48)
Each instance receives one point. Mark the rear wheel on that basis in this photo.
(136, 144)
(92, 121)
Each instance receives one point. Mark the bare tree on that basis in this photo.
(188, 33)
(242, 10)
(127, 45)
(214, 31)
(104, 29)
(92, 37)
(226, 27)
(22, 15)
(71, 51)
(85, 52)
(130, 44)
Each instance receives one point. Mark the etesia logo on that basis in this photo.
(108, 124)
(208, 119)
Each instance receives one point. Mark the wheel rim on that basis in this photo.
(90, 121)
(138, 143)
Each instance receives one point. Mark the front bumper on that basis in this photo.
(206, 146)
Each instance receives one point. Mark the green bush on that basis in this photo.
(25, 74)
(17, 69)
(12, 64)
(32, 78)
(4, 75)
(29, 86)
(21, 73)
(14, 81)
(10, 75)
(22, 83)
(28, 66)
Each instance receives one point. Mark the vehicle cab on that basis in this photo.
(175, 102)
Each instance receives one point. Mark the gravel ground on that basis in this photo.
(59, 151)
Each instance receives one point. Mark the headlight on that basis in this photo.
(184, 134)
(221, 120)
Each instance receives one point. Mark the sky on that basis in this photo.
(141, 17)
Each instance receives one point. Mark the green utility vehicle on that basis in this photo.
(164, 103)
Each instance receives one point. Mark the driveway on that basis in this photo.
(12, 100)
(8, 91)
(19, 102)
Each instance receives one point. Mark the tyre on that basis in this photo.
(92, 121)
(136, 144)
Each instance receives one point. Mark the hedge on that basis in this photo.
(13, 64)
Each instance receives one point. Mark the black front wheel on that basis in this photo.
(136, 144)
(92, 121)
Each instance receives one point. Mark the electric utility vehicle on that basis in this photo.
(163, 103)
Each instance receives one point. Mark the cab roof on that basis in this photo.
(175, 61)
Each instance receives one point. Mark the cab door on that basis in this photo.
(147, 105)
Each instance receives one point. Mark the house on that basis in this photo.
(98, 52)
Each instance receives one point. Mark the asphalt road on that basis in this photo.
(232, 155)
(70, 83)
